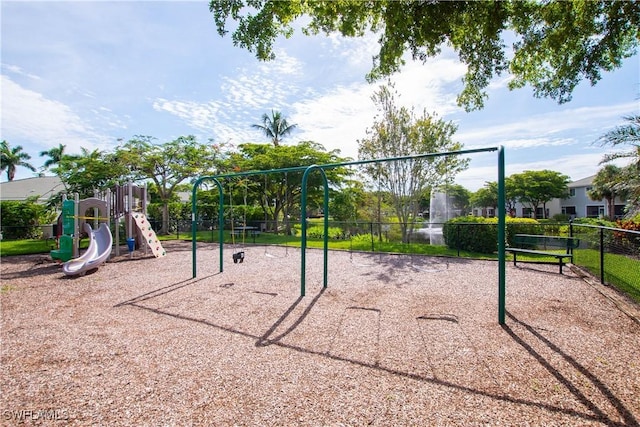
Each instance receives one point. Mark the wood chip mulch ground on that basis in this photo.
(393, 340)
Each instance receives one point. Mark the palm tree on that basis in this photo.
(627, 134)
(605, 186)
(622, 135)
(55, 155)
(275, 127)
(11, 158)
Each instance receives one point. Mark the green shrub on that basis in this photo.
(479, 234)
(471, 233)
(523, 226)
(561, 218)
(22, 219)
(317, 232)
(594, 221)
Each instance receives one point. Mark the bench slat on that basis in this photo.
(535, 252)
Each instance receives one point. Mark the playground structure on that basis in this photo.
(125, 202)
(501, 214)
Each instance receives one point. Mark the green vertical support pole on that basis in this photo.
(303, 231)
(303, 216)
(501, 238)
(194, 210)
(325, 208)
(220, 222)
(194, 218)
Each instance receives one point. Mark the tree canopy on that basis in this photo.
(279, 194)
(90, 170)
(539, 187)
(554, 44)
(54, 156)
(275, 127)
(168, 165)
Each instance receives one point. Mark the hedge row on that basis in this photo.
(479, 234)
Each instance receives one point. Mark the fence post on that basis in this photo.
(458, 238)
(570, 228)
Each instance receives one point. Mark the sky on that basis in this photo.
(91, 74)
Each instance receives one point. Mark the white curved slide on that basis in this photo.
(97, 253)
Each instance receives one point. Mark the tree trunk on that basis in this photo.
(404, 229)
(165, 218)
(611, 201)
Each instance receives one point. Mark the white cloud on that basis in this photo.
(17, 70)
(548, 127)
(43, 123)
(336, 119)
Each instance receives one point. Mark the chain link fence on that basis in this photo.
(610, 254)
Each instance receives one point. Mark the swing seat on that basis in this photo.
(238, 257)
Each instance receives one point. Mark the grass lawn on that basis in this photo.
(620, 271)
(31, 246)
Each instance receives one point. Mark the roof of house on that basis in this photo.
(584, 182)
(21, 189)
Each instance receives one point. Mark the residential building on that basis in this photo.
(577, 205)
(42, 187)
(580, 205)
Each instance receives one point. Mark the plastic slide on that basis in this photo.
(97, 254)
(149, 235)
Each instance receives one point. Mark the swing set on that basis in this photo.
(307, 170)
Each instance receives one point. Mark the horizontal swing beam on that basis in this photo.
(351, 163)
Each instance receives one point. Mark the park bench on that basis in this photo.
(534, 244)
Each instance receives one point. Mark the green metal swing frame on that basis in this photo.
(307, 170)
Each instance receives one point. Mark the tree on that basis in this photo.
(629, 181)
(279, 195)
(539, 187)
(168, 165)
(90, 170)
(604, 187)
(399, 132)
(628, 134)
(346, 203)
(275, 127)
(486, 197)
(55, 155)
(556, 43)
(12, 158)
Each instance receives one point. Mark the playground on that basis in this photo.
(390, 341)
